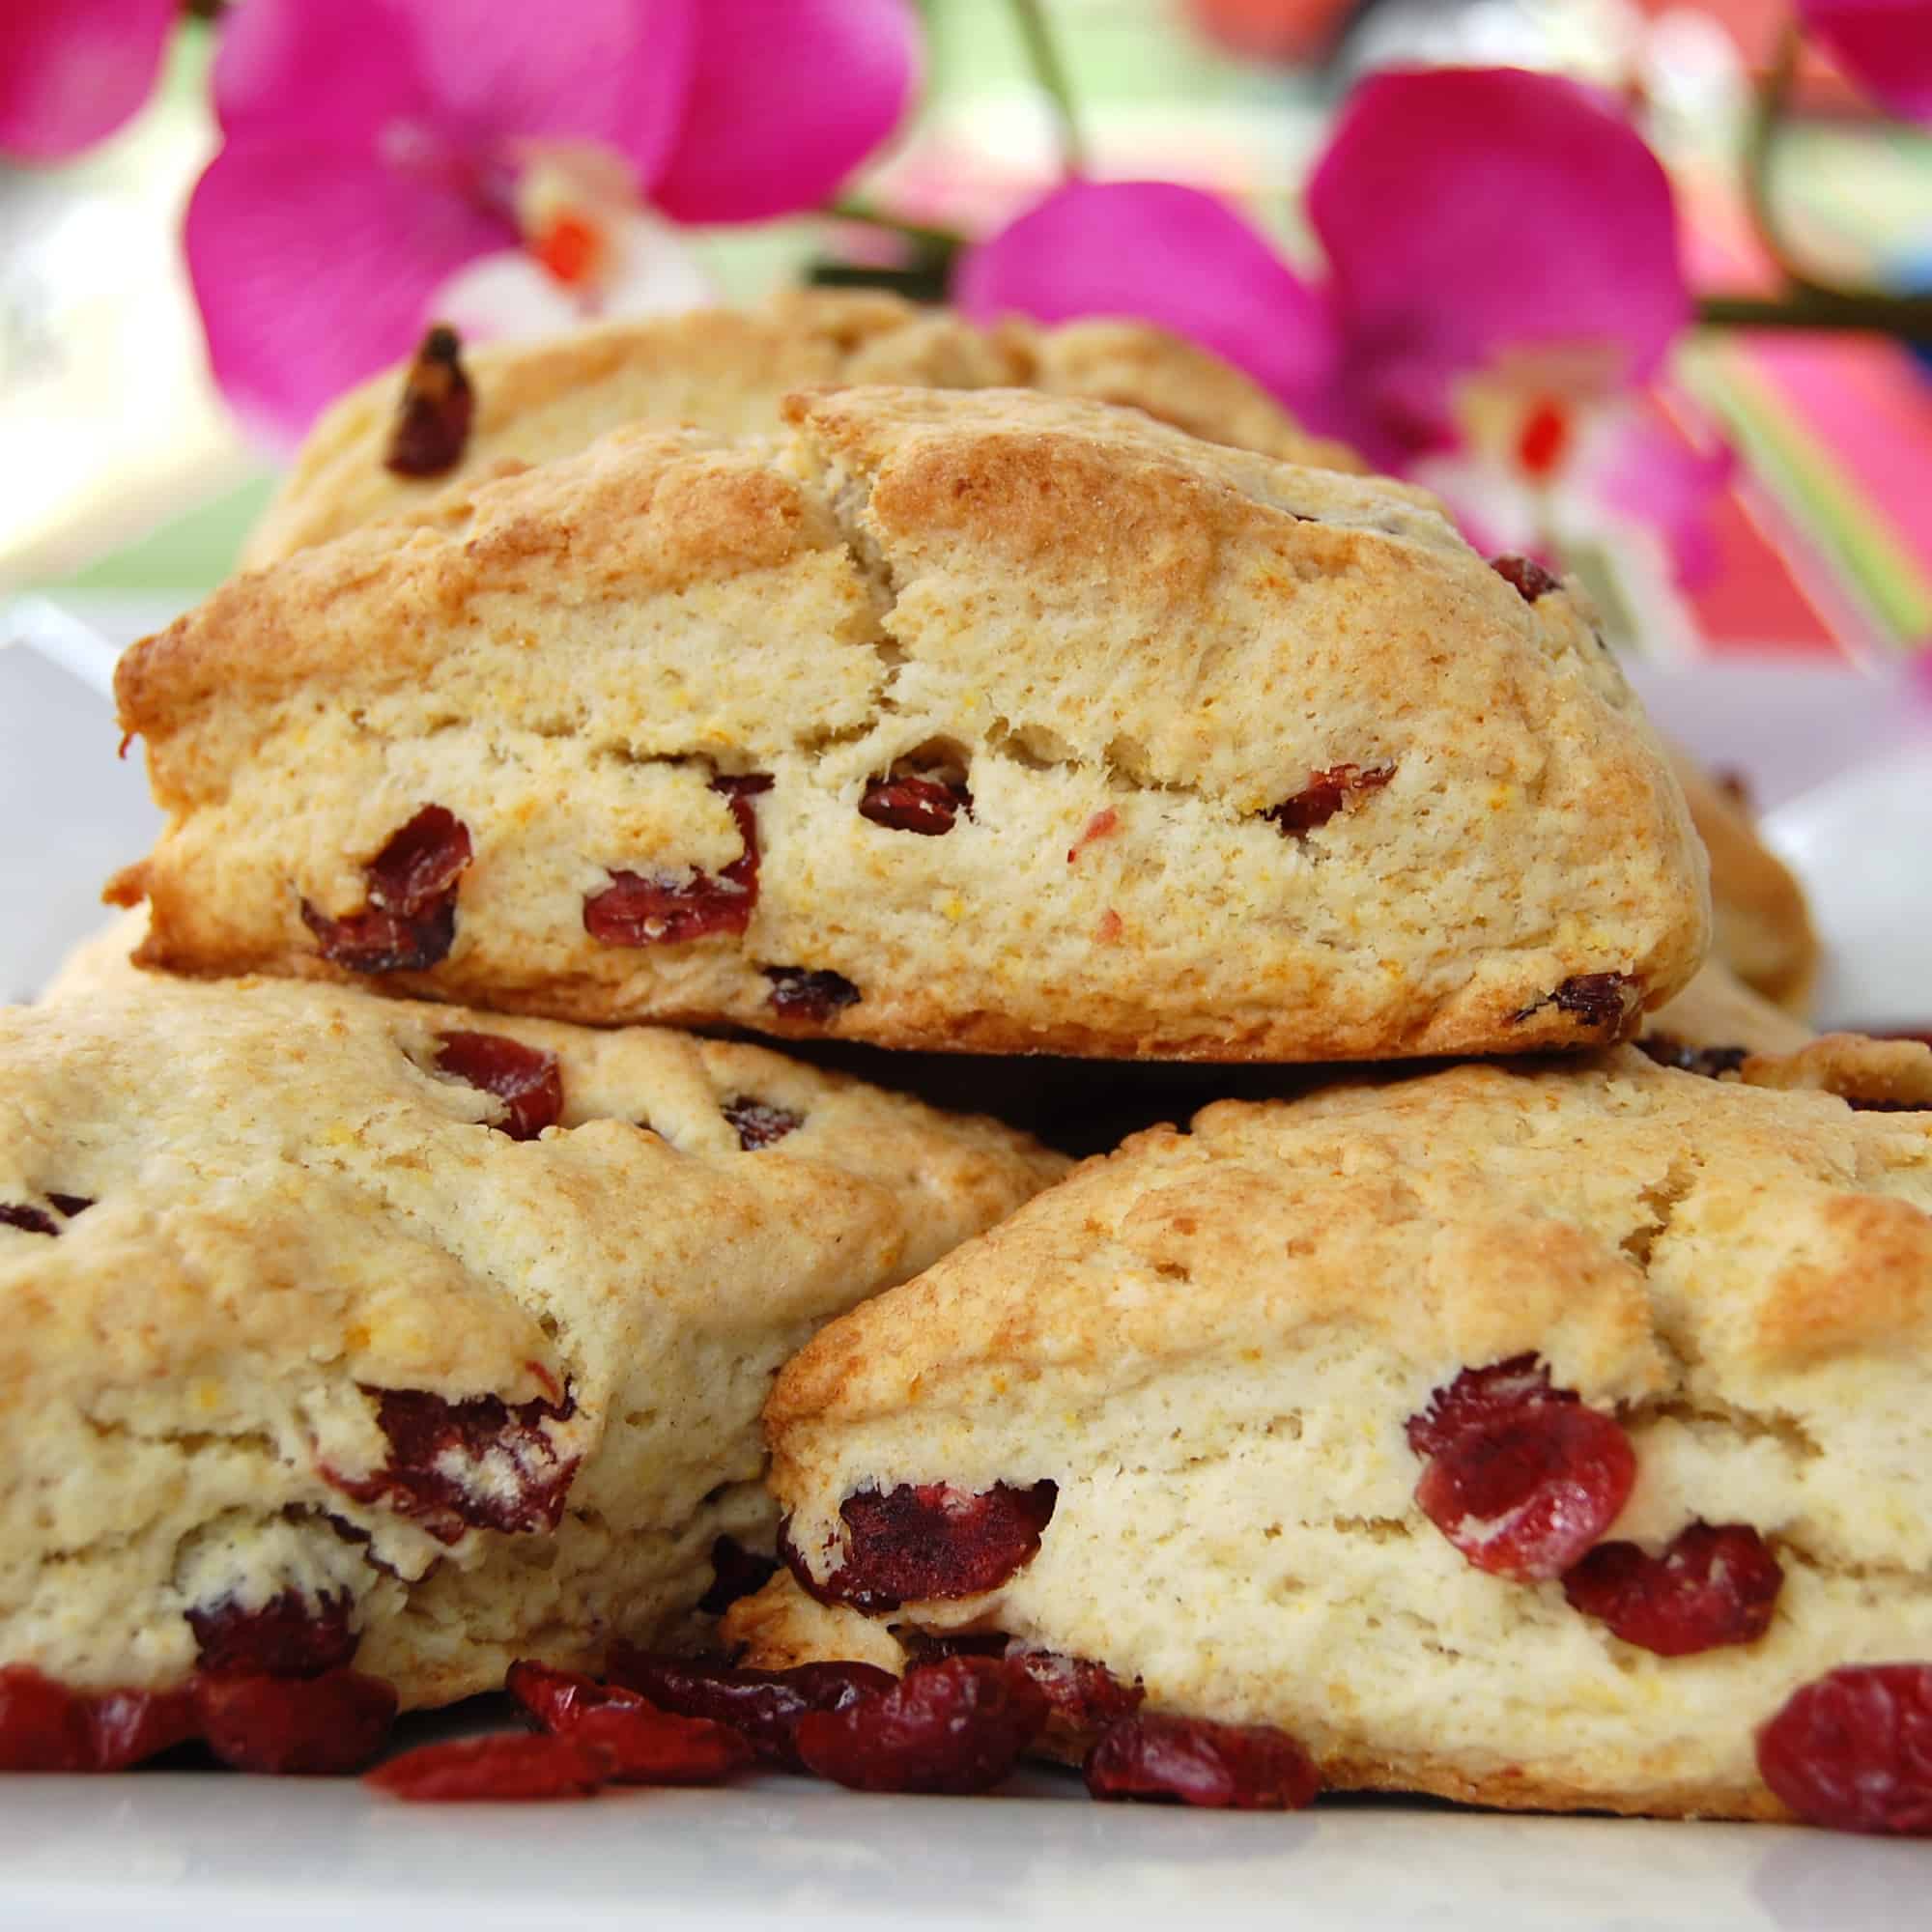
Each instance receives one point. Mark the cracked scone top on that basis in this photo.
(289, 1308)
(1213, 1344)
(728, 369)
(988, 723)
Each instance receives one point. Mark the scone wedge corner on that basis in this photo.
(985, 723)
(346, 1327)
(1179, 1418)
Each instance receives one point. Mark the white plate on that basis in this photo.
(1837, 759)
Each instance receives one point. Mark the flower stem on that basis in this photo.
(845, 208)
(1808, 306)
(1767, 121)
(1050, 71)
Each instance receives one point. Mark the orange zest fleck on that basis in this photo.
(1109, 929)
(1097, 827)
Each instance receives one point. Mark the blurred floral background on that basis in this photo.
(1639, 287)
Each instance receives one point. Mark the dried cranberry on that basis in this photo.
(431, 424)
(762, 1706)
(67, 1206)
(758, 1122)
(1477, 1393)
(296, 1726)
(1525, 1493)
(1083, 1696)
(559, 1698)
(1711, 1062)
(1192, 1761)
(525, 1078)
(928, 1540)
(44, 1727)
(410, 922)
(800, 994)
(1712, 1586)
(29, 1220)
(130, 1726)
(633, 1744)
(641, 909)
(956, 1727)
(735, 1572)
(925, 806)
(478, 1464)
(1526, 575)
(515, 1765)
(1852, 1750)
(1604, 1002)
(290, 1635)
(1325, 795)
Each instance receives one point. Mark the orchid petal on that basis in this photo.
(1164, 254)
(339, 76)
(611, 70)
(1886, 45)
(72, 71)
(782, 110)
(314, 271)
(1639, 466)
(1470, 211)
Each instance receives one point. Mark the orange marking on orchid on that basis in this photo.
(568, 248)
(1543, 440)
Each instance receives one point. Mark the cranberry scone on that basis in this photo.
(985, 723)
(1547, 1437)
(345, 1331)
(456, 413)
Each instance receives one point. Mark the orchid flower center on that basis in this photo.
(570, 203)
(1527, 413)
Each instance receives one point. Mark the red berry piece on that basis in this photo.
(956, 1727)
(1083, 1696)
(410, 922)
(1477, 1395)
(1605, 1002)
(290, 1635)
(296, 1726)
(633, 1744)
(1325, 795)
(1527, 1492)
(1712, 1586)
(559, 1698)
(513, 1766)
(67, 1206)
(655, 909)
(130, 1726)
(735, 1572)
(925, 806)
(759, 1124)
(1190, 1761)
(29, 1220)
(762, 1706)
(431, 424)
(478, 1464)
(1528, 577)
(1852, 1751)
(803, 995)
(525, 1078)
(1711, 1063)
(44, 1727)
(930, 1540)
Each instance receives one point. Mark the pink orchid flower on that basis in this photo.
(1502, 280)
(1885, 45)
(72, 71)
(380, 156)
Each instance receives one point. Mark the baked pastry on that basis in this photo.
(727, 370)
(1761, 927)
(349, 1326)
(1717, 1013)
(982, 723)
(1369, 1417)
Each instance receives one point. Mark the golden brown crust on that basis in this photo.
(1135, 644)
(725, 370)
